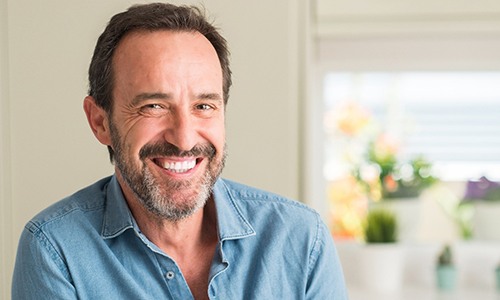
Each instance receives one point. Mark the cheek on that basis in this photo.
(140, 134)
(217, 136)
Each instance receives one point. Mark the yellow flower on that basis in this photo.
(349, 118)
(348, 206)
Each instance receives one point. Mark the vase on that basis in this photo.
(446, 277)
(381, 267)
(486, 221)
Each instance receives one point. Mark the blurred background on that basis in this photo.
(350, 106)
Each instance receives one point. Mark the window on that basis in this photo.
(451, 118)
(427, 74)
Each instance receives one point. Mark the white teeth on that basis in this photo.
(179, 167)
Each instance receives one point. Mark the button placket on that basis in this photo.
(172, 276)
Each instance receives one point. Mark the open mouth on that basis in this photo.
(177, 166)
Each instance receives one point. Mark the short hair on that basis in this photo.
(150, 17)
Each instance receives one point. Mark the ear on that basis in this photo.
(98, 120)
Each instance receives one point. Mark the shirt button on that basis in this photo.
(170, 275)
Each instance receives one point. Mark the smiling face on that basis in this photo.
(167, 125)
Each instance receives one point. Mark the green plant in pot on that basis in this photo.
(445, 271)
(380, 226)
(382, 260)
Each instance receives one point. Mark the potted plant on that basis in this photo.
(445, 271)
(382, 259)
(376, 170)
(380, 227)
(394, 183)
(387, 177)
(483, 197)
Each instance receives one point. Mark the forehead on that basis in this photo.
(150, 56)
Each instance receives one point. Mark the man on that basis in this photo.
(165, 226)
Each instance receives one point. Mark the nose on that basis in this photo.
(181, 131)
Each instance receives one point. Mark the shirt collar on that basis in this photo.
(232, 224)
(117, 216)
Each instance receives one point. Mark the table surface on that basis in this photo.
(419, 293)
(474, 261)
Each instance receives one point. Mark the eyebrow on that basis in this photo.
(209, 96)
(165, 96)
(147, 96)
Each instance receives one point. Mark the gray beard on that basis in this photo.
(157, 196)
(157, 200)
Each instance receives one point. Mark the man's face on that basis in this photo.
(167, 124)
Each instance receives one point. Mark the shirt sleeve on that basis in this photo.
(39, 270)
(325, 277)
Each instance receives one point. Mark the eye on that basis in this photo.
(204, 106)
(152, 109)
(153, 106)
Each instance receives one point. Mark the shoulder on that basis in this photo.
(259, 205)
(88, 199)
(244, 193)
(247, 193)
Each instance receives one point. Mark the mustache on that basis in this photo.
(167, 149)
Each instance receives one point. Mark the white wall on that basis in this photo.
(6, 252)
(47, 150)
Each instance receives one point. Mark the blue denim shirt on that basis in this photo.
(88, 246)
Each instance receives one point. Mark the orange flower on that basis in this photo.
(390, 184)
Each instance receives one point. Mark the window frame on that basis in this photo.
(345, 53)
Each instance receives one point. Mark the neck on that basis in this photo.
(174, 237)
(177, 236)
